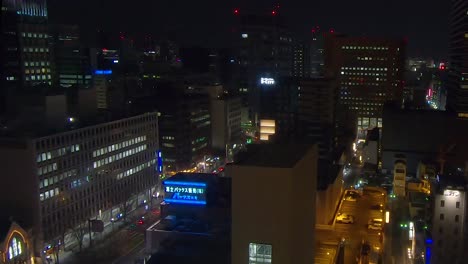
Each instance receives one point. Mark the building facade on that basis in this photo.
(370, 72)
(266, 228)
(71, 61)
(317, 98)
(226, 122)
(264, 50)
(25, 46)
(449, 225)
(457, 97)
(84, 173)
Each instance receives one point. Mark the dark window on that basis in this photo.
(441, 216)
(457, 218)
(458, 204)
(442, 203)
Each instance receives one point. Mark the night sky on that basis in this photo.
(207, 22)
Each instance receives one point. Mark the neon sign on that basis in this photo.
(268, 81)
(185, 192)
(103, 72)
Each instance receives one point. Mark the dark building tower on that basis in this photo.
(370, 72)
(316, 53)
(301, 60)
(71, 60)
(457, 97)
(264, 50)
(24, 46)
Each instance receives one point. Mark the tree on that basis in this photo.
(78, 233)
(126, 205)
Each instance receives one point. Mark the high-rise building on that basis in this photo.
(316, 113)
(449, 224)
(226, 122)
(370, 72)
(264, 50)
(265, 178)
(278, 102)
(25, 54)
(71, 60)
(316, 53)
(62, 179)
(301, 60)
(457, 97)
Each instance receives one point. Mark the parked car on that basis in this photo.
(350, 198)
(377, 207)
(345, 219)
(375, 225)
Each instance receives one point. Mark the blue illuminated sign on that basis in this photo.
(428, 255)
(160, 161)
(103, 72)
(185, 192)
(428, 241)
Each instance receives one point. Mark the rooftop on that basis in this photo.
(193, 177)
(272, 155)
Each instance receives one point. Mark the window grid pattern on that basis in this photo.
(259, 253)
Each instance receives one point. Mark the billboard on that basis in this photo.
(181, 192)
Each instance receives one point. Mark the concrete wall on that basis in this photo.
(328, 200)
(275, 206)
(444, 230)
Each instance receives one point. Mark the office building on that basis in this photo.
(301, 60)
(226, 123)
(25, 50)
(449, 222)
(278, 101)
(195, 220)
(457, 100)
(370, 72)
(87, 171)
(264, 50)
(71, 60)
(273, 204)
(317, 98)
(316, 53)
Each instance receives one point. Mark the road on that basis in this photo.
(358, 231)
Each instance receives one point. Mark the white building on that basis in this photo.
(63, 179)
(449, 225)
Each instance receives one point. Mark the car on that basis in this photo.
(350, 198)
(375, 220)
(345, 219)
(375, 226)
(354, 193)
(377, 207)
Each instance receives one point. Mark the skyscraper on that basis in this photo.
(264, 50)
(457, 97)
(370, 72)
(24, 46)
(71, 60)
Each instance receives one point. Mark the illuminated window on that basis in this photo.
(259, 253)
(244, 35)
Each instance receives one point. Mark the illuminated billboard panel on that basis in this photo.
(181, 192)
